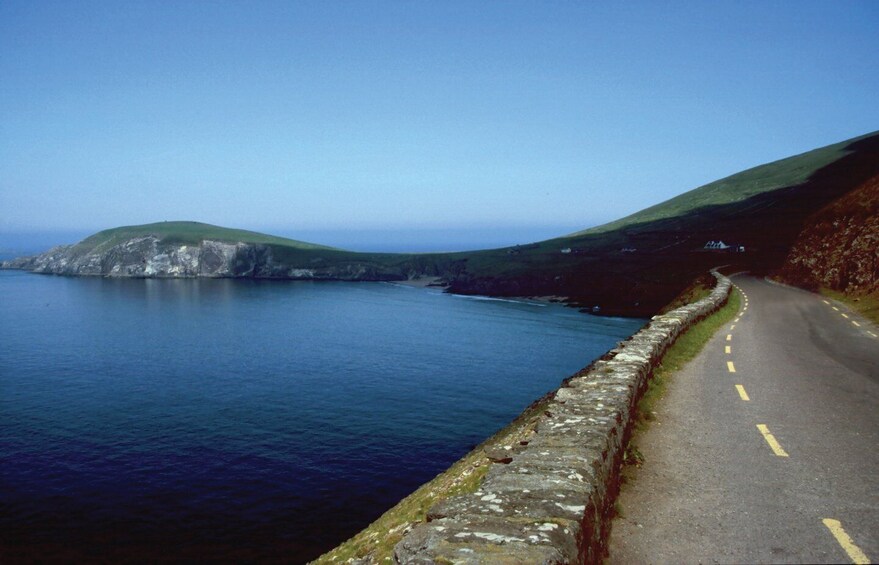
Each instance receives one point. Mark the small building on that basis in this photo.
(719, 244)
(566, 250)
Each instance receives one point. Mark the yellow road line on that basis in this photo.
(742, 393)
(872, 334)
(844, 316)
(826, 302)
(730, 367)
(729, 337)
(728, 350)
(770, 439)
(835, 308)
(732, 327)
(857, 325)
(853, 551)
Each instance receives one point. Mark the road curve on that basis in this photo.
(766, 446)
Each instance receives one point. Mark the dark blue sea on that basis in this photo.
(232, 420)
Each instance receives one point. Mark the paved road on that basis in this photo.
(715, 487)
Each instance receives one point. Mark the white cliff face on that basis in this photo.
(147, 257)
(221, 259)
(301, 273)
(179, 261)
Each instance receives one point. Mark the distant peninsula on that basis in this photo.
(633, 266)
(193, 249)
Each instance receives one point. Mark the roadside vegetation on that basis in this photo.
(684, 350)
(699, 289)
(867, 305)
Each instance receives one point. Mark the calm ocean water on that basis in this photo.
(247, 420)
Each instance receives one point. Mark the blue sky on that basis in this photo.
(518, 119)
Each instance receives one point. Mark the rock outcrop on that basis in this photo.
(549, 501)
(839, 245)
(149, 257)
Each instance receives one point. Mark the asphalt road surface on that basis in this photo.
(766, 446)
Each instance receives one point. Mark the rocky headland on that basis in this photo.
(150, 257)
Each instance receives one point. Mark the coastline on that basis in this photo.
(423, 282)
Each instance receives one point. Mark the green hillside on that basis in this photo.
(187, 233)
(738, 187)
(637, 264)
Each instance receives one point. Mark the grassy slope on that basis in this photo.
(758, 208)
(740, 186)
(191, 233)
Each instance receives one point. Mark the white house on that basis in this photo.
(716, 245)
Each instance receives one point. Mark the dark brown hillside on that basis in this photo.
(838, 247)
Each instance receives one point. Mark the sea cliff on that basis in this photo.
(150, 257)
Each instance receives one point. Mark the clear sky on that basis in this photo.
(304, 118)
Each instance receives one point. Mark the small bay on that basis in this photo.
(240, 420)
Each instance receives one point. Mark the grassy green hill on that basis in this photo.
(290, 252)
(187, 233)
(738, 187)
(638, 264)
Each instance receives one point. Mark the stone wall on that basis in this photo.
(549, 501)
